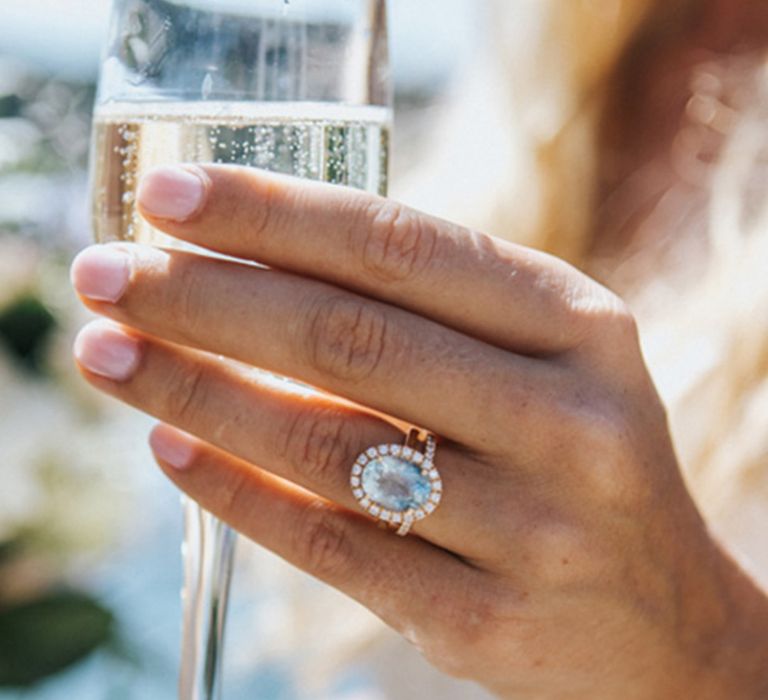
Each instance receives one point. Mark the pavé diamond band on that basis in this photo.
(399, 484)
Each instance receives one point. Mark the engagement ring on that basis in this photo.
(399, 484)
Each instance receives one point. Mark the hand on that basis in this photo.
(566, 559)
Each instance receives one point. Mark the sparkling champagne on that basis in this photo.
(332, 143)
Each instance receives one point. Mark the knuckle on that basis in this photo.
(260, 217)
(601, 445)
(346, 338)
(587, 414)
(559, 554)
(628, 328)
(398, 243)
(599, 427)
(618, 320)
(478, 623)
(595, 438)
(187, 304)
(318, 443)
(449, 660)
(468, 632)
(568, 297)
(609, 322)
(248, 202)
(322, 543)
(185, 394)
(235, 494)
(586, 312)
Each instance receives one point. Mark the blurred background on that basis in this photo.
(89, 530)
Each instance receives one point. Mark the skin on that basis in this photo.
(567, 559)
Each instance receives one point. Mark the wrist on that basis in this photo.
(730, 641)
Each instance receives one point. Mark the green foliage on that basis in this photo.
(10, 106)
(9, 549)
(26, 326)
(47, 635)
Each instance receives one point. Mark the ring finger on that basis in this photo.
(409, 583)
(309, 439)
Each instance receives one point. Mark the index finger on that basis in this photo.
(505, 294)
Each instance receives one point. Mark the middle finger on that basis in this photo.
(372, 353)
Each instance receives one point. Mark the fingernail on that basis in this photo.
(104, 349)
(172, 446)
(172, 192)
(101, 273)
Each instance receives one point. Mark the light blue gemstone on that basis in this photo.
(396, 484)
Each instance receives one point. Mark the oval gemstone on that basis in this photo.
(396, 484)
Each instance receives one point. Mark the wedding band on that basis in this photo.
(399, 484)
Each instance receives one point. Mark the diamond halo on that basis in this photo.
(398, 484)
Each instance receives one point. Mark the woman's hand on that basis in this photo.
(566, 559)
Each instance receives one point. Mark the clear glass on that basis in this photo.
(295, 86)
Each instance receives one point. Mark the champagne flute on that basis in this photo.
(294, 86)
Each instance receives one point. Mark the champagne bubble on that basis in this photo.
(341, 145)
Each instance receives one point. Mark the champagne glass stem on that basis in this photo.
(208, 555)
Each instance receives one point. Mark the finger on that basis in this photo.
(402, 580)
(372, 353)
(503, 293)
(309, 439)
